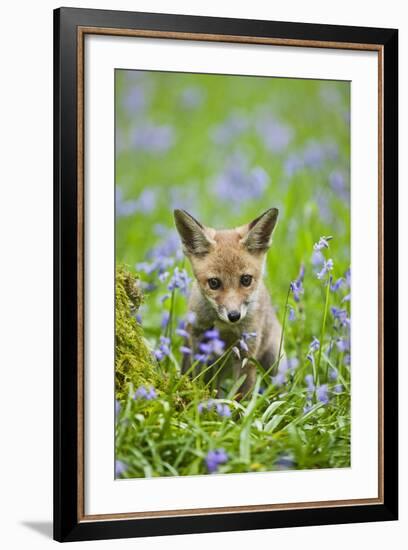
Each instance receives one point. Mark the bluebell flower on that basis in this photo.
(279, 379)
(334, 287)
(285, 461)
(182, 332)
(337, 182)
(292, 315)
(124, 207)
(293, 164)
(144, 393)
(275, 135)
(338, 388)
(343, 345)
(214, 459)
(185, 350)
(308, 407)
(152, 138)
(296, 286)
(310, 382)
(230, 129)
(179, 280)
(212, 333)
(192, 97)
(120, 468)
(239, 183)
(134, 100)
(317, 257)
(117, 408)
(327, 267)
(163, 350)
(333, 374)
(223, 410)
(322, 393)
(165, 319)
(314, 345)
(322, 243)
(341, 316)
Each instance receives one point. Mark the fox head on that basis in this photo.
(228, 263)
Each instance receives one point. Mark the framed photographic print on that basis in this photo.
(225, 274)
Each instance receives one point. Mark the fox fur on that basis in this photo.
(232, 257)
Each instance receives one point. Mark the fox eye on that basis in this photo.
(214, 283)
(246, 280)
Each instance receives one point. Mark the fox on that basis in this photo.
(228, 291)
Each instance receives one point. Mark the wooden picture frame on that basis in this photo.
(71, 26)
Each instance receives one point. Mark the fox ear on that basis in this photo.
(192, 233)
(258, 235)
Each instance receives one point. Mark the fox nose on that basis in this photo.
(234, 316)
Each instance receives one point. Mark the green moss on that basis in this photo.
(134, 365)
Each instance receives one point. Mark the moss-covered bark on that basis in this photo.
(134, 364)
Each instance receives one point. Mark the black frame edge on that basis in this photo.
(66, 525)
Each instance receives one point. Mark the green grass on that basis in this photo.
(279, 425)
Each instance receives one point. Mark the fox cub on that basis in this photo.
(228, 293)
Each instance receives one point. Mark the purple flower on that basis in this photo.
(279, 379)
(285, 461)
(296, 286)
(191, 97)
(135, 100)
(322, 243)
(165, 319)
(223, 410)
(309, 382)
(337, 182)
(214, 459)
(117, 408)
(230, 129)
(163, 350)
(143, 393)
(317, 258)
(333, 374)
(124, 207)
(341, 316)
(239, 183)
(180, 280)
(308, 407)
(343, 345)
(182, 332)
(212, 334)
(338, 388)
(120, 468)
(335, 286)
(152, 138)
(327, 266)
(294, 163)
(292, 315)
(314, 345)
(275, 135)
(322, 393)
(185, 350)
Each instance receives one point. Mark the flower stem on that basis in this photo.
(326, 306)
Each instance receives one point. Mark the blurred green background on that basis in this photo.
(226, 148)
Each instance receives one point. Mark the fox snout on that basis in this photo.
(231, 312)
